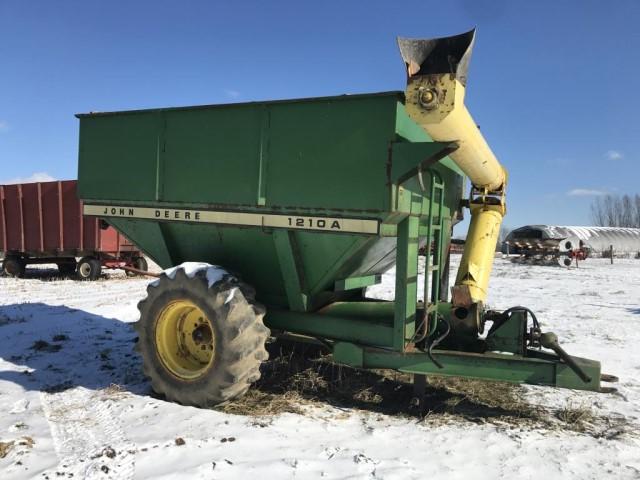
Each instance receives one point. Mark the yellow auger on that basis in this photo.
(436, 80)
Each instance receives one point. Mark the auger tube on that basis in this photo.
(434, 98)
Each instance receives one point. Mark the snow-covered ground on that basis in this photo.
(73, 402)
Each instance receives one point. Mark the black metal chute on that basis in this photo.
(438, 55)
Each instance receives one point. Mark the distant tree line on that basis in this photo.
(616, 211)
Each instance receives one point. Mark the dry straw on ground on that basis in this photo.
(298, 376)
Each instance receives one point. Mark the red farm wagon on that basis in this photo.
(43, 223)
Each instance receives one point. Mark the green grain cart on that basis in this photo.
(302, 204)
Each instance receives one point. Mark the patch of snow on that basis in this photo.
(214, 273)
(65, 401)
(20, 406)
(231, 294)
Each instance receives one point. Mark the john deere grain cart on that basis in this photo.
(301, 204)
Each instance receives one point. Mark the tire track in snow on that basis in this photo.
(84, 429)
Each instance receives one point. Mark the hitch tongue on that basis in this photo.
(550, 340)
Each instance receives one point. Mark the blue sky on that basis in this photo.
(553, 84)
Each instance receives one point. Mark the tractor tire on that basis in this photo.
(67, 267)
(89, 268)
(13, 267)
(201, 344)
(139, 263)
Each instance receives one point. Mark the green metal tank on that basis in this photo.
(223, 183)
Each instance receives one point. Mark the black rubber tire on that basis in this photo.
(139, 263)
(67, 267)
(239, 333)
(89, 268)
(13, 267)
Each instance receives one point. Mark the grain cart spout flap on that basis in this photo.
(273, 217)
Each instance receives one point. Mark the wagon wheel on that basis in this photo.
(89, 268)
(201, 344)
(13, 266)
(139, 263)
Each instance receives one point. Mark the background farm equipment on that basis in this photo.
(546, 244)
(42, 223)
(308, 202)
(456, 246)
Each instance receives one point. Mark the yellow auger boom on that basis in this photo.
(436, 81)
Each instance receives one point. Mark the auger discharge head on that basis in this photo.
(436, 80)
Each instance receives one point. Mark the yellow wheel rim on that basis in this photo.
(185, 340)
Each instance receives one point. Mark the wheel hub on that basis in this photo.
(202, 335)
(85, 269)
(184, 340)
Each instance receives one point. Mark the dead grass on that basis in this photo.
(27, 441)
(5, 448)
(300, 375)
(112, 392)
(575, 415)
(582, 418)
(297, 376)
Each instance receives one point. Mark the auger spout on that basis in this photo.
(434, 98)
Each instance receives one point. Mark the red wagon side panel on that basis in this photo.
(52, 233)
(109, 240)
(3, 221)
(71, 217)
(31, 217)
(13, 213)
(45, 219)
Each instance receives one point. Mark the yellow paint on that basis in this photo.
(446, 118)
(477, 259)
(436, 102)
(184, 340)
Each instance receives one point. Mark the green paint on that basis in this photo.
(509, 337)
(353, 283)
(263, 157)
(354, 329)
(291, 269)
(406, 282)
(534, 369)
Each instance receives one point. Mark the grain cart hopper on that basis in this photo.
(302, 204)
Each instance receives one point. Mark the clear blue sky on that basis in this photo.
(553, 84)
